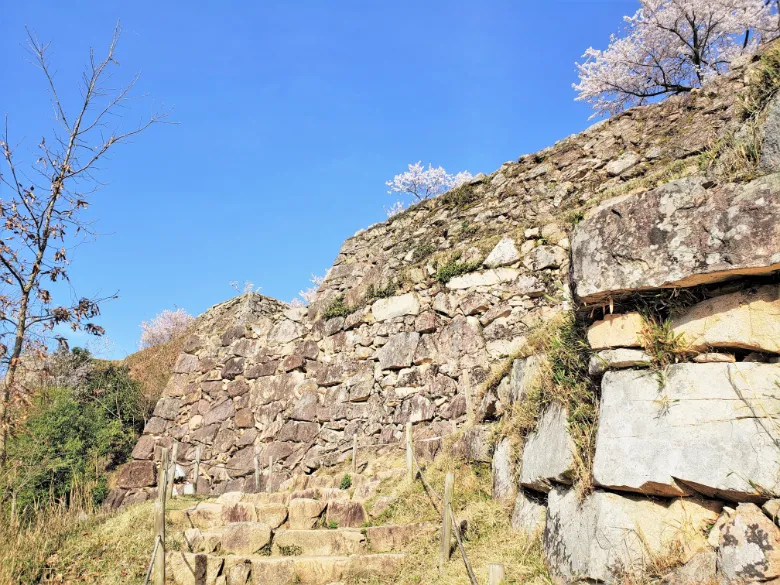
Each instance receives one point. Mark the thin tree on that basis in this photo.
(42, 216)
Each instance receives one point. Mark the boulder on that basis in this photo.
(623, 330)
(529, 514)
(606, 533)
(398, 352)
(346, 513)
(617, 359)
(245, 538)
(548, 455)
(144, 448)
(486, 278)
(525, 373)
(748, 319)
(683, 233)
(137, 474)
(504, 254)
(711, 428)
(504, 478)
(543, 257)
(398, 306)
(303, 513)
(274, 515)
(621, 164)
(194, 569)
(749, 547)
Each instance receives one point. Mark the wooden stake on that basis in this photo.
(172, 472)
(409, 453)
(446, 520)
(162, 482)
(354, 453)
(159, 530)
(196, 471)
(495, 574)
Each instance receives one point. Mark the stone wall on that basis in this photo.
(420, 313)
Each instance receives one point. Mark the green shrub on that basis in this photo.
(337, 308)
(454, 268)
(422, 251)
(73, 436)
(377, 292)
(346, 482)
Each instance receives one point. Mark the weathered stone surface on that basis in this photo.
(504, 478)
(274, 515)
(167, 408)
(486, 278)
(543, 257)
(529, 514)
(398, 306)
(606, 532)
(525, 373)
(700, 570)
(617, 359)
(622, 164)
(621, 330)
(144, 448)
(194, 569)
(679, 234)
(220, 412)
(186, 363)
(749, 547)
(548, 455)
(712, 429)
(504, 254)
(398, 352)
(391, 538)
(747, 319)
(137, 474)
(346, 513)
(320, 542)
(245, 538)
(474, 444)
(714, 358)
(772, 510)
(770, 144)
(233, 367)
(303, 513)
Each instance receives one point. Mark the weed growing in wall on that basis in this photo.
(337, 308)
(455, 267)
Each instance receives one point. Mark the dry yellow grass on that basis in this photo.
(152, 367)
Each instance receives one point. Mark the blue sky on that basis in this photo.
(291, 116)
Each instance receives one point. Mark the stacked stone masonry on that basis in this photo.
(419, 313)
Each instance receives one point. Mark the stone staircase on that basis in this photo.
(310, 533)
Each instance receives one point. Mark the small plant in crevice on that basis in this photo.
(332, 525)
(453, 268)
(346, 482)
(292, 550)
(422, 251)
(763, 83)
(662, 345)
(265, 551)
(337, 308)
(374, 292)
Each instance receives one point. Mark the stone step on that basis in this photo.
(252, 537)
(202, 569)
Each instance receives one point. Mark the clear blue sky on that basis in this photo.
(292, 115)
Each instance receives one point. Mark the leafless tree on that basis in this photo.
(42, 219)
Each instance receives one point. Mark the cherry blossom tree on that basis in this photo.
(422, 183)
(672, 47)
(164, 327)
(307, 296)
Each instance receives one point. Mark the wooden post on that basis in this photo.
(354, 453)
(172, 467)
(159, 519)
(196, 471)
(257, 472)
(409, 453)
(495, 574)
(446, 520)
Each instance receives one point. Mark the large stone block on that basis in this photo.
(194, 569)
(748, 319)
(398, 306)
(679, 234)
(504, 477)
(712, 428)
(529, 514)
(606, 533)
(548, 455)
(398, 352)
(137, 474)
(623, 330)
(303, 513)
(245, 538)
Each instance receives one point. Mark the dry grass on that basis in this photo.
(489, 537)
(152, 367)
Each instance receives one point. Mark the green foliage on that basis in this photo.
(459, 197)
(292, 550)
(454, 268)
(337, 308)
(422, 251)
(763, 83)
(332, 525)
(73, 436)
(378, 292)
(346, 482)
